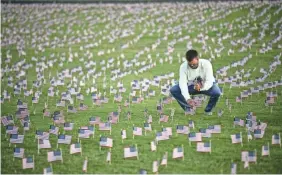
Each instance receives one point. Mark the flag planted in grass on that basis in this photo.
(28, 163)
(55, 156)
(178, 153)
(131, 151)
(19, 152)
(106, 142)
(204, 147)
(195, 137)
(75, 148)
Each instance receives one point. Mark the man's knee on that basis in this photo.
(216, 92)
(174, 90)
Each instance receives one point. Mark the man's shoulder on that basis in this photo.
(204, 62)
(183, 65)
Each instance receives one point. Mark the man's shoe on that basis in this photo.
(208, 113)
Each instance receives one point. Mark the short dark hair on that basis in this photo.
(191, 54)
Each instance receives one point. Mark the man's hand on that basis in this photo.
(191, 102)
(197, 87)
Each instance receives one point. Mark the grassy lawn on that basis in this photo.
(113, 20)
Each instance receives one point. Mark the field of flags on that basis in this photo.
(86, 88)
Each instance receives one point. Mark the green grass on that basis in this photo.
(223, 151)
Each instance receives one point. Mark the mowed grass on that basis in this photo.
(223, 151)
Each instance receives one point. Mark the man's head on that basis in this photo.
(192, 58)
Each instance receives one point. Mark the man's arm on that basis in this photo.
(209, 79)
(183, 83)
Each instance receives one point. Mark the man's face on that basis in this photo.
(194, 63)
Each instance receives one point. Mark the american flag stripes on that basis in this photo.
(48, 170)
(105, 126)
(85, 163)
(106, 142)
(249, 156)
(41, 135)
(16, 138)
(265, 151)
(43, 144)
(18, 152)
(137, 131)
(204, 147)
(276, 139)
(64, 139)
(237, 138)
(55, 156)
(178, 153)
(53, 130)
(131, 151)
(258, 133)
(75, 148)
(181, 129)
(164, 159)
(233, 168)
(195, 137)
(11, 129)
(7, 120)
(94, 120)
(162, 136)
(28, 163)
(155, 166)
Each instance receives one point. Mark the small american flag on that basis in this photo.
(94, 120)
(195, 137)
(55, 156)
(147, 127)
(136, 100)
(164, 159)
(142, 171)
(61, 103)
(181, 129)
(109, 156)
(150, 119)
(83, 134)
(104, 100)
(258, 133)
(159, 108)
(205, 132)
(137, 131)
(7, 120)
(34, 100)
(11, 129)
(68, 126)
(249, 156)
(269, 100)
(163, 118)
(106, 142)
(233, 168)
(204, 147)
(191, 124)
(123, 134)
(215, 129)
(276, 139)
(64, 139)
(97, 102)
(238, 99)
(219, 112)
(189, 111)
(16, 138)
(155, 166)
(48, 170)
(178, 153)
(153, 146)
(250, 137)
(165, 92)
(130, 152)
(113, 119)
(71, 109)
(236, 138)
(152, 93)
(118, 98)
(238, 121)
(41, 135)
(43, 144)
(162, 136)
(83, 107)
(105, 126)
(53, 130)
(19, 152)
(265, 151)
(126, 103)
(75, 148)
(84, 167)
(28, 163)
(168, 130)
